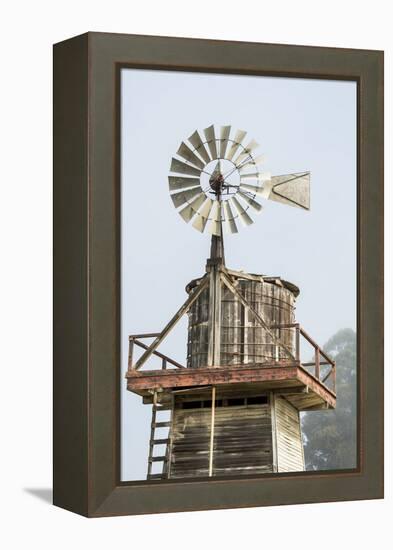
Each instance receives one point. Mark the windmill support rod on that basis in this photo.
(217, 247)
(214, 348)
(172, 323)
(258, 317)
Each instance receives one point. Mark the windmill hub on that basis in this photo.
(220, 179)
(217, 183)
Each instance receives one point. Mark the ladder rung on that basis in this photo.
(157, 458)
(161, 424)
(155, 476)
(160, 441)
(164, 407)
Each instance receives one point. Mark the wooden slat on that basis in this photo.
(258, 316)
(242, 441)
(289, 440)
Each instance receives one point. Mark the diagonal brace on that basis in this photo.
(178, 315)
(225, 279)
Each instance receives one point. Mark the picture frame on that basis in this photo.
(86, 413)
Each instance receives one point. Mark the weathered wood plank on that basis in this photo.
(257, 316)
(242, 440)
(288, 435)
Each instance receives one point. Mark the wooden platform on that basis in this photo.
(300, 387)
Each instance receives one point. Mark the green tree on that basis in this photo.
(330, 436)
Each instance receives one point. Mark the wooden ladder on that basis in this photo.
(156, 423)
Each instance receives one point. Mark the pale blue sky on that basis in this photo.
(301, 125)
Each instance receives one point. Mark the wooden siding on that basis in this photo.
(190, 438)
(242, 441)
(288, 445)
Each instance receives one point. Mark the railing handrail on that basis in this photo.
(135, 339)
(317, 349)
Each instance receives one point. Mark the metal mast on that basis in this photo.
(213, 267)
(216, 182)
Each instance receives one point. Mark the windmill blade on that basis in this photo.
(211, 141)
(215, 213)
(245, 170)
(202, 216)
(197, 143)
(215, 228)
(185, 152)
(191, 209)
(257, 190)
(217, 170)
(230, 218)
(260, 176)
(253, 161)
(249, 200)
(241, 211)
(185, 196)
(290, 189)
(206, 208)
(243, 157)
(246, 152)
(180, 167)
(200, 223)
(240, 135)
(176, 183)
(224, 136)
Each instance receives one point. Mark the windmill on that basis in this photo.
(233, 409)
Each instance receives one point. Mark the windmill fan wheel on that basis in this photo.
(215, 180)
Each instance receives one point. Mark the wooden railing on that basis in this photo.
(134, 340)
(321, 359)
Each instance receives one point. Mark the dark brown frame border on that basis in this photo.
(87, 259)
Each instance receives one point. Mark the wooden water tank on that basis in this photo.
(243, 340)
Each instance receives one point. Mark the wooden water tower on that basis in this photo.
(233, 408)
